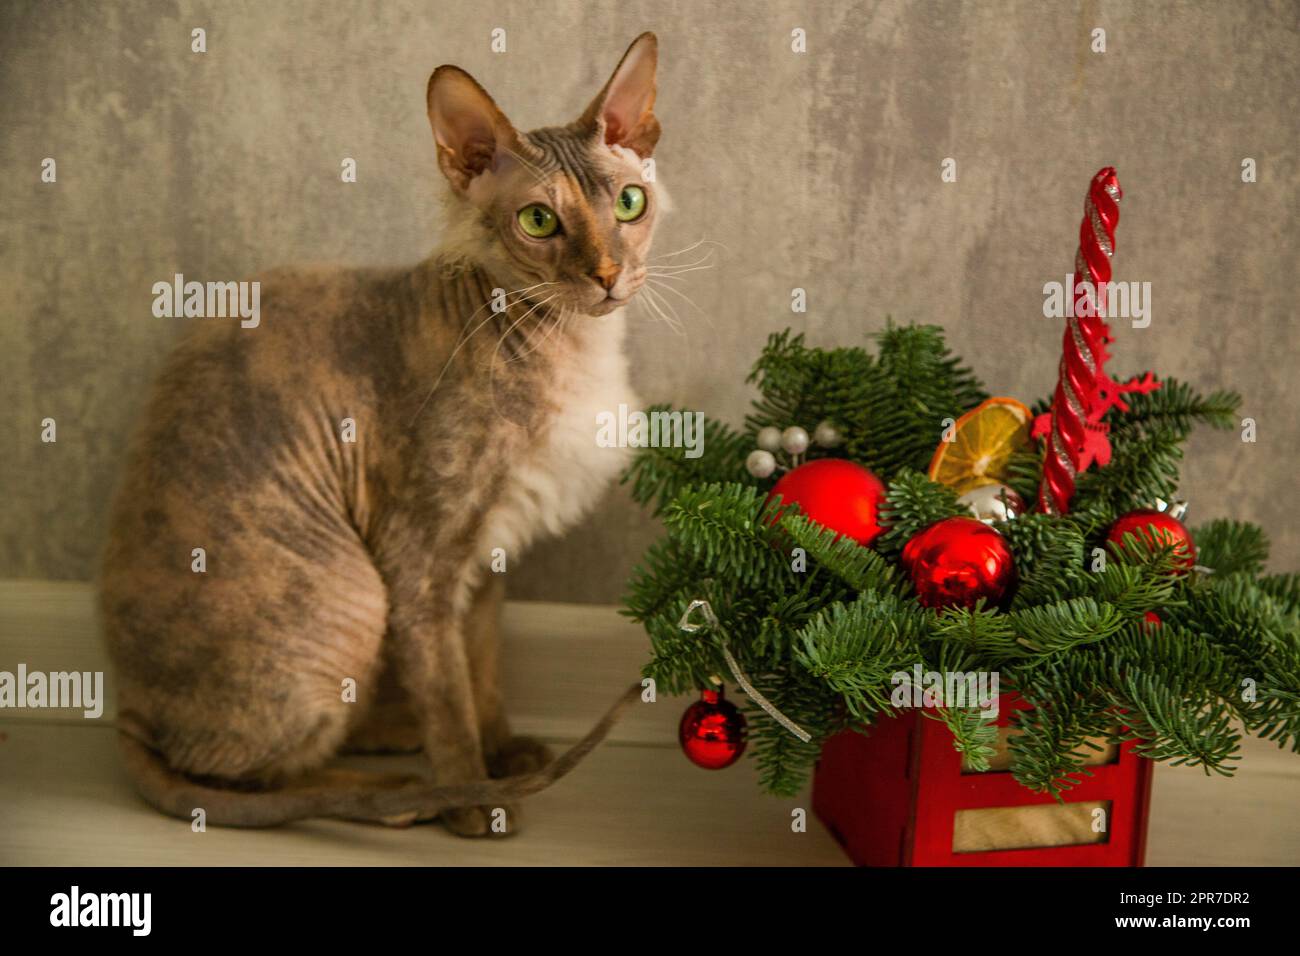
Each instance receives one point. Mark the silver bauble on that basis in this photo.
(795, 440)
(992, 503)
(769, 438)
(760, 463)
(827, 435)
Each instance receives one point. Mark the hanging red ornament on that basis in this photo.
(837, 494)
(1151, 526)
(957, 561)
(712, 731)
(1151, 620)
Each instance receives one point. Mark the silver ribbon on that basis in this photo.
(689, 626)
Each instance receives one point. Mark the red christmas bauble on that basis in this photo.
(837, 494)
(1151, 620)
(712, 731)
(957, 561)
(1151, 526)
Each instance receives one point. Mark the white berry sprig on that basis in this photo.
(794, 442)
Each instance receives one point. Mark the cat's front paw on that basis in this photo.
(519, 755)
(481, 821)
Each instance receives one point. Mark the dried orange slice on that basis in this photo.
(984, 439)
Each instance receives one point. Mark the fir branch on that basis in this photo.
(680, 663)
(1146, 446)
(1204, 669)
(727, 529)
(1064, 625)
(784, 761)
(1024, 473)
(1139, 576)
(982, 631)
(917, 354)
(974, 735)
(913, 503)
(858, 567)
(1049, 748)
(804, 386)
(658, 474)
(1049, 556)
(857, 648)
(1244, 621)
(778, 624)
(973, 728)
(1141, 470)
(1285, 588)
(1276, 715)
(890, 410)
(929, 385)
(1171, 724)
(1175, 406)
(661, 581)
(1231, 547)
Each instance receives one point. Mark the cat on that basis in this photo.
(330, 563)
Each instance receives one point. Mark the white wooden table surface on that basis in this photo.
(64, 800)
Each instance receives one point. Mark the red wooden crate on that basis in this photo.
(891, 799)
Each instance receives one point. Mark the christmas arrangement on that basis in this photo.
(881, 514)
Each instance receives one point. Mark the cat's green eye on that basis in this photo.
(538, 221)
(630, 204)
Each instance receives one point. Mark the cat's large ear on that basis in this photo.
(468, 128)
(623, 112)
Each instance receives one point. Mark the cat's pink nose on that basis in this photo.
(607, 274)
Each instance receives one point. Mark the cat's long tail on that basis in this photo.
(343, 794)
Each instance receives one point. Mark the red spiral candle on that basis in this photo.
(1076, 436)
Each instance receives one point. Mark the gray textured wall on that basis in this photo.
(819, 170)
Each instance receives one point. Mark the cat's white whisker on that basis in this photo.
(514, 325)
(670, 273)
(675, 291)
(686, 249)
(492, 365)
(566, 313)
(660, 308)
(546, 337)
(685, 298)
(464, 338)
(706, 261)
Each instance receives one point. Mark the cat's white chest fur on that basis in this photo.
(564, 471)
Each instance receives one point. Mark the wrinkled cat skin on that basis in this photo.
(331, 560)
